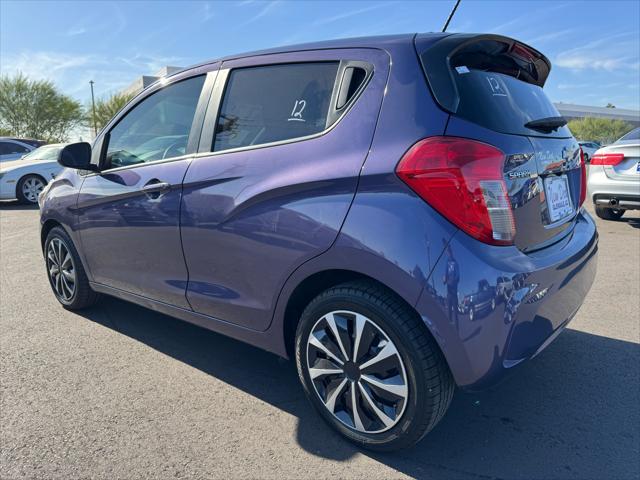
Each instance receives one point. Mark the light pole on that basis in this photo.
(93, 106)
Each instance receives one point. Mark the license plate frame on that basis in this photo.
(559, 203)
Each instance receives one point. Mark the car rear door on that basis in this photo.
(283, 143)
(492, 86)
(128, 214)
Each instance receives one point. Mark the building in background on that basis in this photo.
(144, 81)
(571, 111)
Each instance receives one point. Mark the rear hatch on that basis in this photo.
(492, 87)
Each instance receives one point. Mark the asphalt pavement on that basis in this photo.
(122, 392)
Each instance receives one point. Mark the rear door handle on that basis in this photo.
(155, 188)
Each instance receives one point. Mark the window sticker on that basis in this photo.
(496, 88)
(296, 113)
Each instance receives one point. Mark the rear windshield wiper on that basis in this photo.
(547, 125)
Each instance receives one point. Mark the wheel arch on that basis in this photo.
(314, 284)
(49, 225)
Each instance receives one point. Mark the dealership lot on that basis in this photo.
(122, 392)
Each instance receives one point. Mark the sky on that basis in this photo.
(594, 46)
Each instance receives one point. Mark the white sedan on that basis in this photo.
(24, 179)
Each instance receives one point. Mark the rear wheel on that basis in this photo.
(29, 187)
(370, 368)
(66, 275)
(609, 213)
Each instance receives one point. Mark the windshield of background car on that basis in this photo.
(43, 153)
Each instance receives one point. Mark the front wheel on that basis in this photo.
(28, 189)
(609, 213)
(65, 271)
(370, 368)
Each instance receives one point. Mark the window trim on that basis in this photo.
(334, 115)
(102, 143)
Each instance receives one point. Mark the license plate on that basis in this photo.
(558, 198)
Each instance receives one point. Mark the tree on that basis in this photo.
(602, 130)
(36, 109)
(106, 109)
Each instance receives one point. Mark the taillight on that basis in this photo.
(607, 158)
(463, 180)
(583, 179)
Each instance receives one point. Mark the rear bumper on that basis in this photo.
(617, 201)
(615, 193)
(545, 291)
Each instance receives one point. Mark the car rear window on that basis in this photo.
(492, 81)
(503, 103)
(633, 135)
(275, 103)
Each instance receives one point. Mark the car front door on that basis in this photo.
(128, 214)
(282, 145)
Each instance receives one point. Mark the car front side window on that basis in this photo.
(157, 128)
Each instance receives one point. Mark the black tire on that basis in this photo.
(82, 296)
(609, 213)
(19, 188)
(429, 381)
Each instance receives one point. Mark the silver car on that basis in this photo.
(614, 177)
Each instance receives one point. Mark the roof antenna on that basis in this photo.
(453, 11)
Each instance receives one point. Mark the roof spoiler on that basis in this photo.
(483, 51)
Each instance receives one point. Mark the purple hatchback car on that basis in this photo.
(402, 215)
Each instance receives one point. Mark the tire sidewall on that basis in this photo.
(20, 196)
(62, 236)
(609, 213)
(416, 385)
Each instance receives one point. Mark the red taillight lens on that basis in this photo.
(463, 180)
(583, 179)
(607, 158)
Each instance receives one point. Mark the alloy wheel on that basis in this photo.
(31, 188)
(357, 371)
(61, 269)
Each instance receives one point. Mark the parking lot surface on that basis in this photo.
(122, 392)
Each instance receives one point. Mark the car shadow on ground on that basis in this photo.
(634, 222)
(15, 205)
(571, 412)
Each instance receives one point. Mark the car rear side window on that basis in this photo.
(274, 103)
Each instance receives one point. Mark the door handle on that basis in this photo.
(155, 188)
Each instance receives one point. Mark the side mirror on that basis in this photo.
(78, 156)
